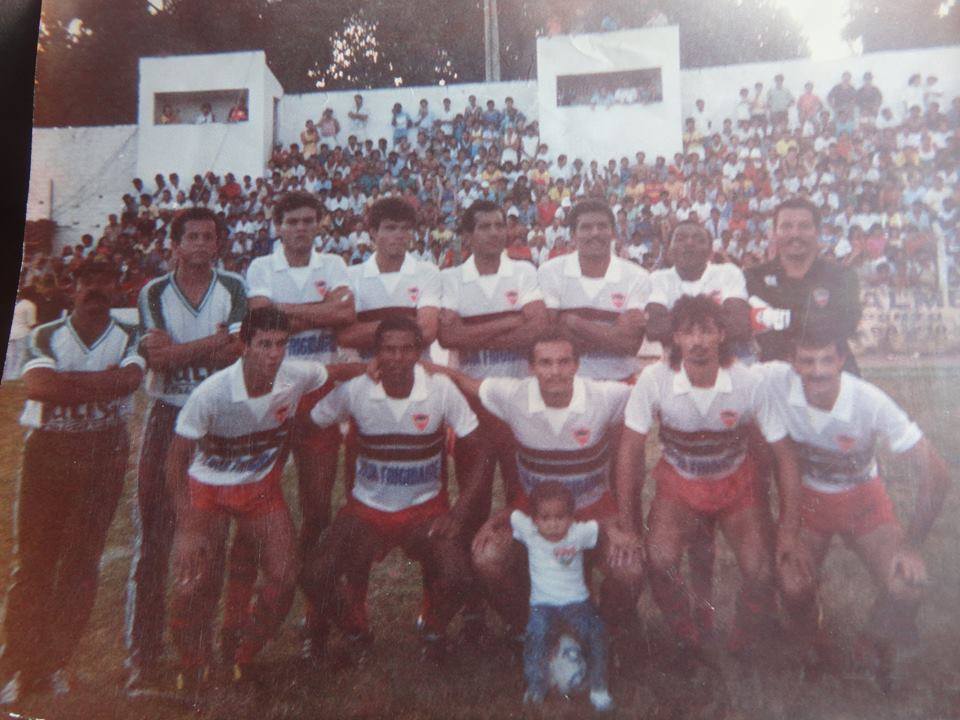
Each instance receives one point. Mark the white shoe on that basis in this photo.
(601, 700)
(12, 692)
(61, 682)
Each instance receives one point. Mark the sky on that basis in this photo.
(822, 22)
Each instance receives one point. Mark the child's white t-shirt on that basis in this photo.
(556, 568)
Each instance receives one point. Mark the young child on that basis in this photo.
(558, 590)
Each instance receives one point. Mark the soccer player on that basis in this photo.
(597, 296)
(399, 495)
(836, 421)
(225, 462)
(798, 284)
(492, 311)
(705, 402)
(693, 274)
(392, 282)
(563, 426)
(186, 319)
(78, 375)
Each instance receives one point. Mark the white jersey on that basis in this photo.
(625, 286)
(272, 277)
(703, 431)
(163, 306)
(379, 295)
(400, 441)
(242, 439)
(56, 346)
(837, 449)
(478, 298)
(556, 568)
(719, 282)
(571, 444)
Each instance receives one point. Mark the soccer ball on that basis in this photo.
(568, 667)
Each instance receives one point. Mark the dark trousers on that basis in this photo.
(69, 489)
(154, 520)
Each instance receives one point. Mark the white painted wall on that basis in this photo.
(295, 110)
(619, 130)
(719, 86)
(241, 148)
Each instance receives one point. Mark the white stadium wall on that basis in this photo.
(295, 110)
(610, 131)
(187, 148)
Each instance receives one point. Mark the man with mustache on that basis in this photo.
(798, 283)
(79, 374)
(705, 402)
(836, 420)
(186, 318)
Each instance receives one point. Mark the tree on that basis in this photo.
(897, 25)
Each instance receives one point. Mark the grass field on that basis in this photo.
(487, 683)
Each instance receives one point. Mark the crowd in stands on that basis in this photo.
(883, 170)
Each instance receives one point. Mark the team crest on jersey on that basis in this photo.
(512, 297)
(845, 442)
(413, 293)
(321, 286)
(281, 413)
(565, 554)
(421, 420)
(729, 417)
(582, 436)
(821, 296)
(618, 299)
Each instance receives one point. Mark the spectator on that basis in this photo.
(358, 118)
(869, 99)
(329, 127)
(843, 96)
(206, 116)
(779, 101)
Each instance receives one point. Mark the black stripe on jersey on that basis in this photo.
(703, 442)
(238, 295)
(834, 466)
(42, 338)
(487, 317)
(243, 445)
(383, 313)
(565, 462)
(401, 447)
(151, 303)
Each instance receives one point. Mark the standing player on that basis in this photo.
(836, 420)
(798, 284)
(399, 496)
(492, 311)
(705, 402)
(225, 462)
(563, 426)
(186, 318)
(598, 296)
(693, 274)
(78, 375)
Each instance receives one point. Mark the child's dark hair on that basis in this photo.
(551, 490)
(262, 318)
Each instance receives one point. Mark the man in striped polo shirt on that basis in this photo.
(399, 496)
(78, 375)
(564, 427)
(705, 403)
(186, 319)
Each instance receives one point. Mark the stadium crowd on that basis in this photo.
(883, 172)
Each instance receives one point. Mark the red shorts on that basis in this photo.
(728, 495)
(248, 501)
(852, 512)
(395, 528)
(306, 434)
(603, 509)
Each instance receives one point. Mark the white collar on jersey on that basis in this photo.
(571, 268)
(238, 387)
(370, 268)
(418, 393)
(578, 401)
(469, 272)
(280, 263)
(842, 409)
(682, 384)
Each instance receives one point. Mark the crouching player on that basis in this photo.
(706, 402)
(225, 463)
(399, 497)
(836, 419)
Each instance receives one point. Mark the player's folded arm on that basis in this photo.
(45, 384)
